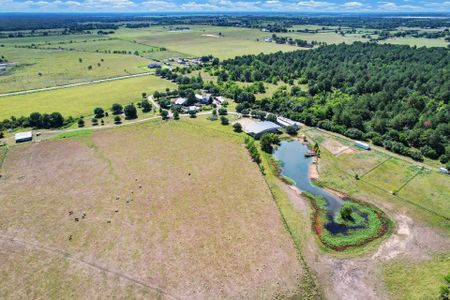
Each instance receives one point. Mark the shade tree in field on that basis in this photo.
(237, 127)
(146, 106)
(130, 111)
(117, 109)
(99, 112)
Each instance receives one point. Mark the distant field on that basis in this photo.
(168, 214)
(76, 101)
(62, 67)
(327, 37)
(419, 42)
(205, 40)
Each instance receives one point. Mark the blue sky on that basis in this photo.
(224, 5)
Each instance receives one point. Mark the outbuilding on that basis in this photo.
(24, 136)
(443, 170)
(180, 101)
(257, 129)
(362, 145)
(285, 122)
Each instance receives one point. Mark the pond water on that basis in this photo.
(295, 165)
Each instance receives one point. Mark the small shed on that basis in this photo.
(257, 129)
(362, 145)
(443, 170)
(202, 98)
(24, 136)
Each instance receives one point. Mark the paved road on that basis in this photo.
(63, 86)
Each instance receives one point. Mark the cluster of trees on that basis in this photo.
(36, 120)
(291, 41)
(396, 96)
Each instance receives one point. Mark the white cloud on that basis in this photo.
(352, 5)
(273, 2)
(391, 6)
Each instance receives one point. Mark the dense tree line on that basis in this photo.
(396, 96)
(36, 120)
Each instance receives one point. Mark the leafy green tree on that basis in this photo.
(146, 106)
(268, 140)
(292, 129)
(94, 121)
(56, 120)
(35, 120)
(164, 114)
(130, 112)
(80, 123)
(222, 111)
(224, 120)
(193, 114)
(176, 115)
(99, 112)
(117, 120)
(117, 109)
(237, 127)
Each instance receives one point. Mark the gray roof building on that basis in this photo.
(257, 129)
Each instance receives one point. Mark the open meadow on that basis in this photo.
(39, 68)
(81, 100)
(160, 210)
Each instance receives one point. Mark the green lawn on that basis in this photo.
(62, 67)
(82, 100)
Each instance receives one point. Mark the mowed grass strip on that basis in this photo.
(189, 212)
(81, 100)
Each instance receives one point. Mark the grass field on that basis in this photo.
(76, 101)
(205, 40)
(419, 42)
(171, 209)
(62, 67)
(417, 281)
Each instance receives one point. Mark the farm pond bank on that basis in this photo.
(336, 230)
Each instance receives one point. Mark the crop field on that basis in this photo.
(81, 100)
(157, 210)
(38, 68)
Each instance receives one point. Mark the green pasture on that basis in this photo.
(416, 280)
(418, 42)
(38, 68)
(329, 37)
(205, 40)
(102, 45)
(391, 175)
(81, 100)
(429, 189)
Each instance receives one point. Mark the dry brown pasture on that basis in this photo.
(190, 217)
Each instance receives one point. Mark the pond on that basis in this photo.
(294, 164)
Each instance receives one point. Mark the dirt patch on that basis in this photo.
(156, 204)
(335, 147)
(211, 35)
(313, 172)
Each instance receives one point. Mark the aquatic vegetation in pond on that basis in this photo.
(339, 223)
